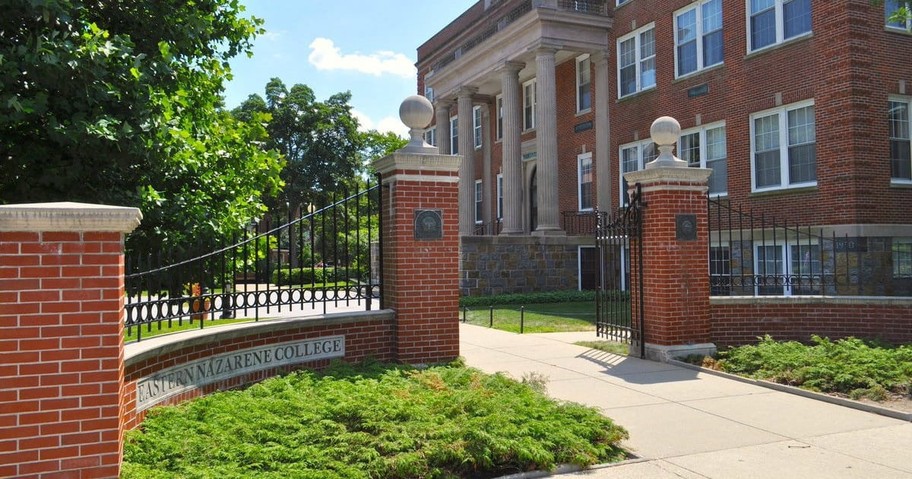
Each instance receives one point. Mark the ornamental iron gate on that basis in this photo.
(619, 291)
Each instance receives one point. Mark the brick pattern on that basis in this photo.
(369, 339)
(740, 322)
(421, 279)
(61, 354)
(675, 286)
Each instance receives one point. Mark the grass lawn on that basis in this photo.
(848, 367)
(537, 318)
(174, 326)
(374, 421)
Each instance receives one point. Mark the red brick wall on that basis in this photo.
(421, 277)
(737, 321)
(848, 66)
(60, 354)
(369, 338)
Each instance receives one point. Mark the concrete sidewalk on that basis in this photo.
(688, 424)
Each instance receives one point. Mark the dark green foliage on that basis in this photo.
(373, 422)
(850, 366)
(304, 275)
(528, 298)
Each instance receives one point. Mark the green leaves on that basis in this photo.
(376, 421)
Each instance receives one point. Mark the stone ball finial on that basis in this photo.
(665, 132)
(416, 112)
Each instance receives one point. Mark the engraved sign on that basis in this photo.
(153, 389)
(428, 224)
(685, 227)
(698, 90)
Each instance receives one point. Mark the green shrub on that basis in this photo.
(378, 421)
(570, 296)
(850, 366)
(303, 275)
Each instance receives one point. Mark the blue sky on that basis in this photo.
(367, 47)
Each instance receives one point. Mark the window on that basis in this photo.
(890, 6)
(430, 136)
(900, 141)
(479, 212)
(698, 37)
(529, 101)
(621, 2)
(429, 93)
(454, 135)
(705, 148)
(788, 269)
(783, 147)
(476, 125)
(499, 105)
(775, 21)
(720, 270)
(634, 157)
(636, 61)
(500, 195)
(584, 176)
(583, 84)
(902, 257)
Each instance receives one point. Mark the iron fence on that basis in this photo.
(757, 255)
(323, 259)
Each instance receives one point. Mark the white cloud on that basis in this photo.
(325, 55)
(365, 123)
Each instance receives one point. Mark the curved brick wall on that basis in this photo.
(174, 368)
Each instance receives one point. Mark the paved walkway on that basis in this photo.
(688, 424)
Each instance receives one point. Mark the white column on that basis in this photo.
(467, 168)
(512, 149)
(602, 132)
(442, 121)
(546, 142)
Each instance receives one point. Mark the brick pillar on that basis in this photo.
(61, 342)
(420, 214)
(675, 255)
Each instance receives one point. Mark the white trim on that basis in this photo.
(908, 102)
(478, 204)
(530, 124)
(700, 36)
(778, 7)
(781, 113)
(498, 127)
(580, 59)
(477, 133)
(701, 131)
(579, 181)
(636, 35)
(785, 249)
(500, 196)
(454, 135)
(640, 150)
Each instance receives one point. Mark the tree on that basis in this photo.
(119, 103)
(319, 140)
(377, 145)
(902, 13)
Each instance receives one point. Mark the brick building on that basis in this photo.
(801, 108)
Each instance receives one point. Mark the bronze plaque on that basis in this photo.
(685, 227)
(428, 224)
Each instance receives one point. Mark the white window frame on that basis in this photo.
(779, 9)
(907, 101)
(476, 126)
(621, 2)
(499, 107)
(786, 251)
(530, 102)
(479, 202)
(641, 148)
(700, 37)
(500, 196)
(704, 162)
(580, 160)
(901, 252)
(429, 92)
(583, 71)
(785, 182)
(454, 135)
(890, 6)
(720, 267)
(430, 136)
(639, 60)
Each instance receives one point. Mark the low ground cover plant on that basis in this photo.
(372, 421)
(851, 367)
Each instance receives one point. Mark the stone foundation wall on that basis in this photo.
(492, 265)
